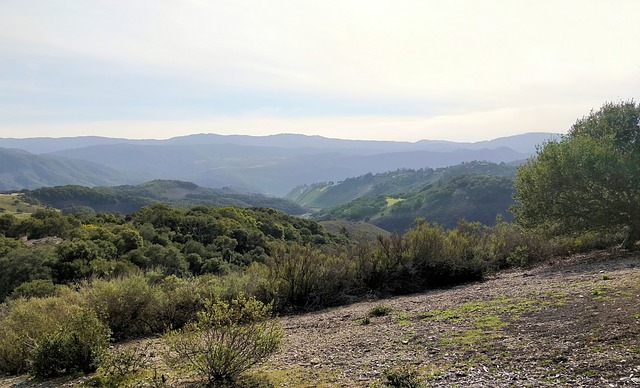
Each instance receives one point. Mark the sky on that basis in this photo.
(461, 70)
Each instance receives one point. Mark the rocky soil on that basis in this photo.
(569, 323)
(573, 323)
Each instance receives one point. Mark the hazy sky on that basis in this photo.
(396, 70)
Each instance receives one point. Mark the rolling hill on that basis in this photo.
(473, 197)
(268, 164)
(127, 199)
(328, 194)
(23, 170)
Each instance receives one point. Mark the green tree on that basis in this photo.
(589, 179)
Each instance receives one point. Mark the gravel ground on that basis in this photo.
(573, 323)
(570, 323)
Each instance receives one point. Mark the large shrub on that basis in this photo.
(130, 306)
(304, 277)
(50, 336)
(226, 339)
(74, 347)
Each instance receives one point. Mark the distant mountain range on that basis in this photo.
(267, 164)
(20, 169)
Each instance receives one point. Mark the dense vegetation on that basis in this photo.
(207, 277)
(472, 197)
(174, 241)
(128, 199)
(111, 277)
(330, 194)
(590, 179)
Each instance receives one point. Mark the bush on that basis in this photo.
(379, 311)
(49, 336)
(445, 257)
(401, 379)
(181, 301)
(73, 348)
(304, 277)
(226, 340)
(130, 306)
(39, 288)
(127, 367)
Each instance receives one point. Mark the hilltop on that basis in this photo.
(130, 198)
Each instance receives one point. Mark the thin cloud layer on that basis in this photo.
(405, 70)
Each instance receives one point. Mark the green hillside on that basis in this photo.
(127, 199)
(22, 170)
(473, 197)
(15, 205)
(329, 194)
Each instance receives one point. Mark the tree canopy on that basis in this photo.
(589, 179)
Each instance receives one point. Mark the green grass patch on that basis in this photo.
(600, 291)
(441, 315)
(499, 306)
(403, 318)
(379, 311)
(489, 322)
(483, 321)
(392, 201)
(14, 204)
(299, 376)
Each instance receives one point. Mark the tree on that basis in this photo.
(589, 179)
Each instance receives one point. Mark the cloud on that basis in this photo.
(179, 60)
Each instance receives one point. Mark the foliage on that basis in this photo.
(397, 378)
(173, 241)
(74, 347)
(50, 336)
(128, 199)
(226, 339)
(130, 306)
(589, 179)
(124, 366)
(21, 264)
(442, 257)
(38, 288)
(472, 197)
(330, 194)
(379, 311)
(303, 277)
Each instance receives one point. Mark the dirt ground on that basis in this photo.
(569, 323)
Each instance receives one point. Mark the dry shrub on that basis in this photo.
(226, 340)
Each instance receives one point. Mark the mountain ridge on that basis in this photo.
(268, 164)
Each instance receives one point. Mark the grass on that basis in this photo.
(299, 376)
(379, 311)
(392, 201)
(14, 204)
(600, 291)
(483, 321)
